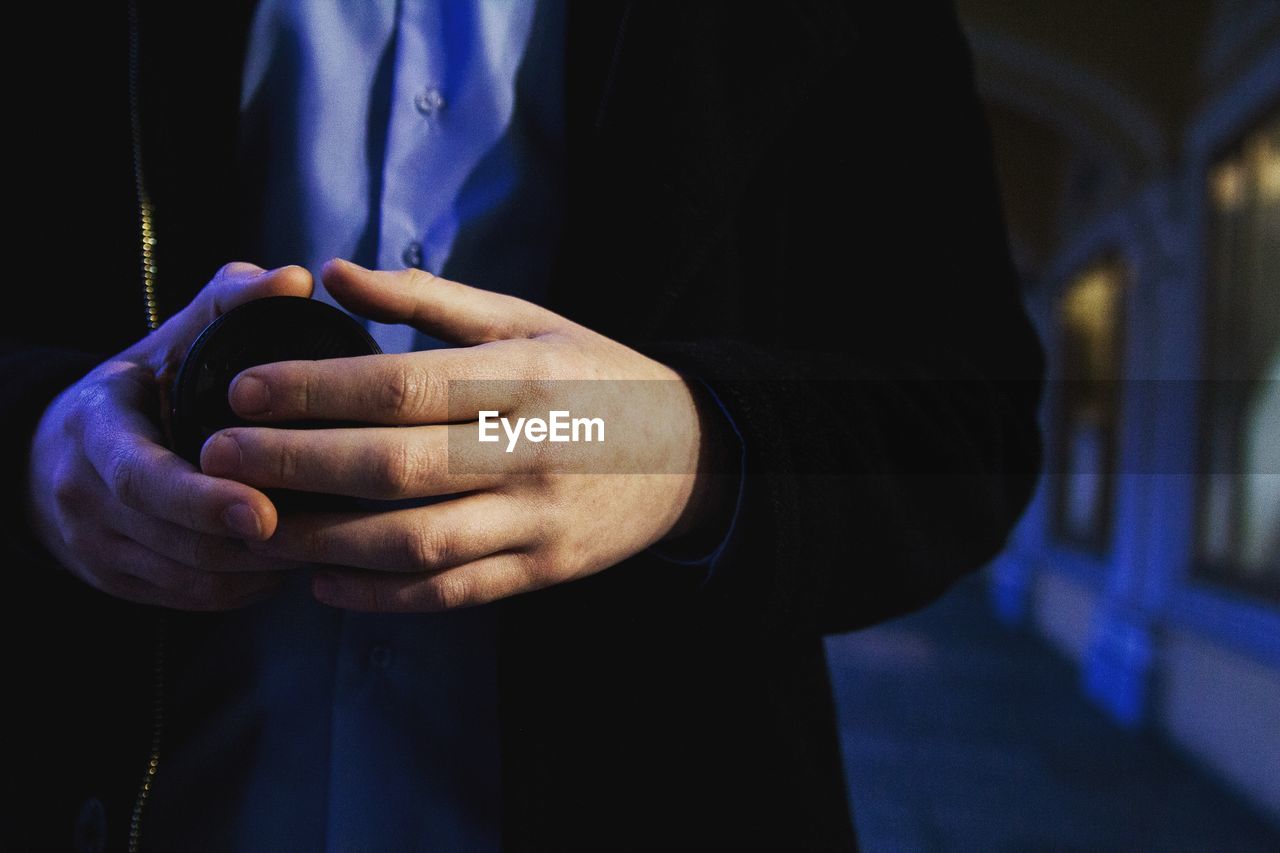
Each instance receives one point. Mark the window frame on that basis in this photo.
(1101, 541)
(1222, 574)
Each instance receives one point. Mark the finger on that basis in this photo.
(480, 582)
(139, 473)
(417, 388)
(233, 285)
(380, 463)
(129, 570)
(238, 283)
(421, 539)
(441, 308)
(87, 508)
(201, 551)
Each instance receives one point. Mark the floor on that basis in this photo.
(960, 734)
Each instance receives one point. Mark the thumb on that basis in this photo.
(238, 283)
(444, 309)
(233, 285)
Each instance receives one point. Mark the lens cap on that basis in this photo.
(278, 328)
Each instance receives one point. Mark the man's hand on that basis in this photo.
(118, 508)
(515, 522)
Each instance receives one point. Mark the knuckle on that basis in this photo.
(308, 392)
(288, 459)
(538, 365)
(512, 318)
(404, 392)
(445, 592)
(431, 463)
(201, 550)
(209, 302)
(231, 272)
(395, 472)
(192, 508)
(541, 362)
(489, 329)
(124, 478)
(91, 395)
(419, 278)
(66, 487)
(539, 567)
(426, 549)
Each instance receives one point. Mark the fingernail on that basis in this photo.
(242, 521)
(220, 456)
(263, 273)
(250, 396)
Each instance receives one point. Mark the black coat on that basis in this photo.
(792, 201)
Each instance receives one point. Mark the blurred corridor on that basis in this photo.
(1138, 150)
(959, 734)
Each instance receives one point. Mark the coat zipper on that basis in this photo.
(146, 210)
(147, 243)
(157, 731)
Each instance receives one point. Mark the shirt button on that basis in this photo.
(380, 656)
(412, 255)
(429, 101)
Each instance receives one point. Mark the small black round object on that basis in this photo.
(278, 328)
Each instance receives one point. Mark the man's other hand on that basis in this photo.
(120, 510)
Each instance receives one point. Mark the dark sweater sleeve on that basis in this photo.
(867, 496)
(888, 388)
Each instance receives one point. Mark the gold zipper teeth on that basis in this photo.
(147, 239)
(145, 214)
(146, 210)
(157, 731)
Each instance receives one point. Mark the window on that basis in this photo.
(1090, 320)
(1239, 506)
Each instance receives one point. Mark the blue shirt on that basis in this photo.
(389, 128)
(389, 131)
(409, 133)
